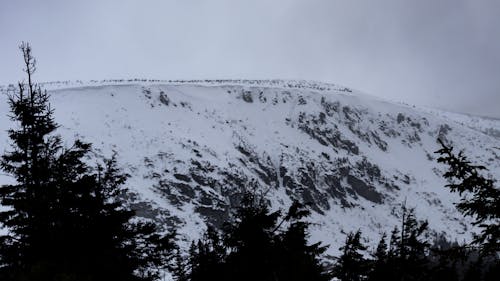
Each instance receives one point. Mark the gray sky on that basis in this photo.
(442, 53)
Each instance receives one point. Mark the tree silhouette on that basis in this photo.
(65, 219)
(380, 268)
(298, 259)
(408, 251)
(208, 258)
(352, 266)
(259, 245)
(480, 198)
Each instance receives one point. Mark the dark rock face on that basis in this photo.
(214, 189)
(182, 177)
(364, 190)
(317, 129)
(214, 217)
(164, 99)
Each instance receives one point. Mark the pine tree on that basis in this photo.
(352, 266)
(66, 220)
(480, 198)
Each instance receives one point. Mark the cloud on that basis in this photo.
(435, 53)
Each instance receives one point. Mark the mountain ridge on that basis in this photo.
(191, 147)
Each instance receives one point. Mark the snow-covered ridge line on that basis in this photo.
(486, 125)
(191, 146)
(489, 126)
(277, 83)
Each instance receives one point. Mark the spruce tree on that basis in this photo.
(352, 266)
(65, 219)
(298, 259)
(208, 258)
(393, 256)
(180, 266)
(258, 244)
(409, 248)
(31, 160)
(447, 260)
(381, 251)
(251, 240)
(414, 246)
(380, 268)
(480, 197)
(394, 243)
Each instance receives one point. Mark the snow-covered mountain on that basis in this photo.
(191, 147)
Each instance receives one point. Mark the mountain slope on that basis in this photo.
(191, 147)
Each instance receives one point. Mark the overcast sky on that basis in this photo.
(441, 53)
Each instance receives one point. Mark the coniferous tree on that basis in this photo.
(447, 260)
(66, 220)
(30, 162)
(181, 264)
(480, 198)
(208, 258)
(352, 266)
(408, 248)
(298, 260)
(381, 251)
(474, 271)
(414, 248)
(259, 245)
(445, 267)
(250, 240)
(393, 256)
(394, 243)
(380, 269)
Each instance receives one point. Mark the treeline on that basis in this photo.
(264, 245)
(67, 220)
(408, 254)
